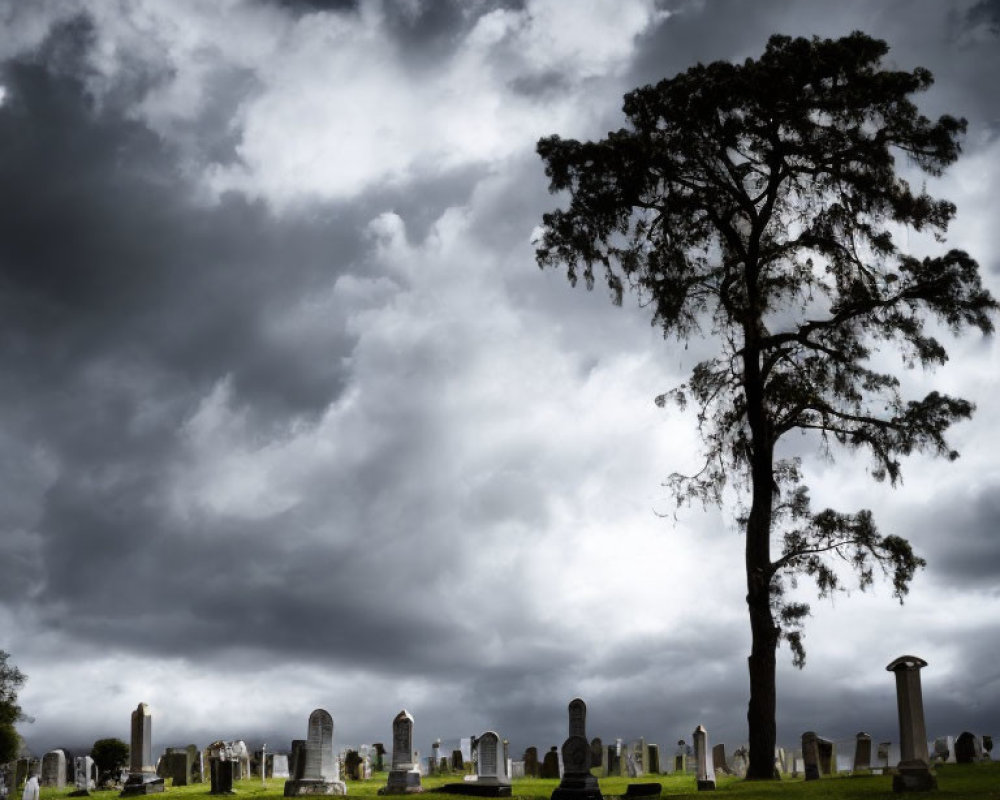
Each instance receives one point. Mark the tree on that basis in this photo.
(11, 680)
(110, 755)
(759, 205)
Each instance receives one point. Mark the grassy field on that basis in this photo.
(974, 781)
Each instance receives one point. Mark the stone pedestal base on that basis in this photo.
(578, 786)
(402, 782)
(305, 786)
(706, 785)
(142, 783)
(914, 779)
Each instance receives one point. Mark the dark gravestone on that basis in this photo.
(296, 764)
(653, 768)
(176, 766)
(550, 765)
(352, 765)
(614, 761)
(827, 756)
(987, 744)
(222, 776)
(577, 782)
(862, 752)
(531, 762)
(965, 748)
(596, 753)
(810, 755)
(719, 760)
(379, 749)
(457, 762)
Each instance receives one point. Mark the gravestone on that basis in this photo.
(142, 777)
(298, 745)
(944, 750)
(882, 754)
(279, 765)
(597, 757)
(577, 782)
(810, 755)
(352, 765)
(862, 752)
(653, 759)
(316, 768)
(85, 774)
(827, 756)
(913, 771)
(53, 770)
(704, 774)
(550, 764)
(614, 761)
(719, 763)
(20, 773)
(741, 760)
(987, 746)
(681, 756)
(404, 777)
(458, 763)
(492, 767)
(379, 749)
(966, 748)
(221, 772)
(531, 762)
(176, 765)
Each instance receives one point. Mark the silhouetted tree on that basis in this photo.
(11, 680)
(757, 204)
(110, 755)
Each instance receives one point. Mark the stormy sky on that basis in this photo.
(291, 419)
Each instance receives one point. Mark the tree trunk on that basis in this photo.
(764, 633)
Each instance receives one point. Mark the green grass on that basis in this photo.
(974, 781)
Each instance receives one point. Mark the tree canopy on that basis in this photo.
(760, 205)
(110, 755)
(11, 681)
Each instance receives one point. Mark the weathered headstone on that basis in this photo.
(862, 752)
(20, 773)
(404, 777)
(598, 758)
(531, 765)
(379, 750)
(810, 755)
(53, 769)
(719, 763)
(613, 761)
(827, 756)
(882, 754)
(577, 782)
(458, 763)
(681, 756)
(653, 759)
(221, 773)
(550, 764)
(316, 768)
(85, 774)
(966, 748)
(279, 765)
(987, 746)
(704, 774)
(944, 750)
(492, 767)
(913, 771)
(142, 777)
(352, 765)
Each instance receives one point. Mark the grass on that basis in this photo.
(964, 782)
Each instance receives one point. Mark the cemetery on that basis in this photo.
(483, 765)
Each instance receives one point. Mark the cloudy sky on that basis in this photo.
(291, 419)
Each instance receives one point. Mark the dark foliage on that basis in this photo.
(757, 204)
(11, 680)
(110, 755)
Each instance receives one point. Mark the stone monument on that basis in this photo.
(862, 753)
(704, 772)
(578, 783)
(142, 777)
(404, 777)
(53, 770)
(913, 773)
(317, 770)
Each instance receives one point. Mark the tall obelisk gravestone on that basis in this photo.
(913, 773)
(578, 783)
(404, 777)
(142, 777)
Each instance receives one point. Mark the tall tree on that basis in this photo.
(759, 204)
(11, 680)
